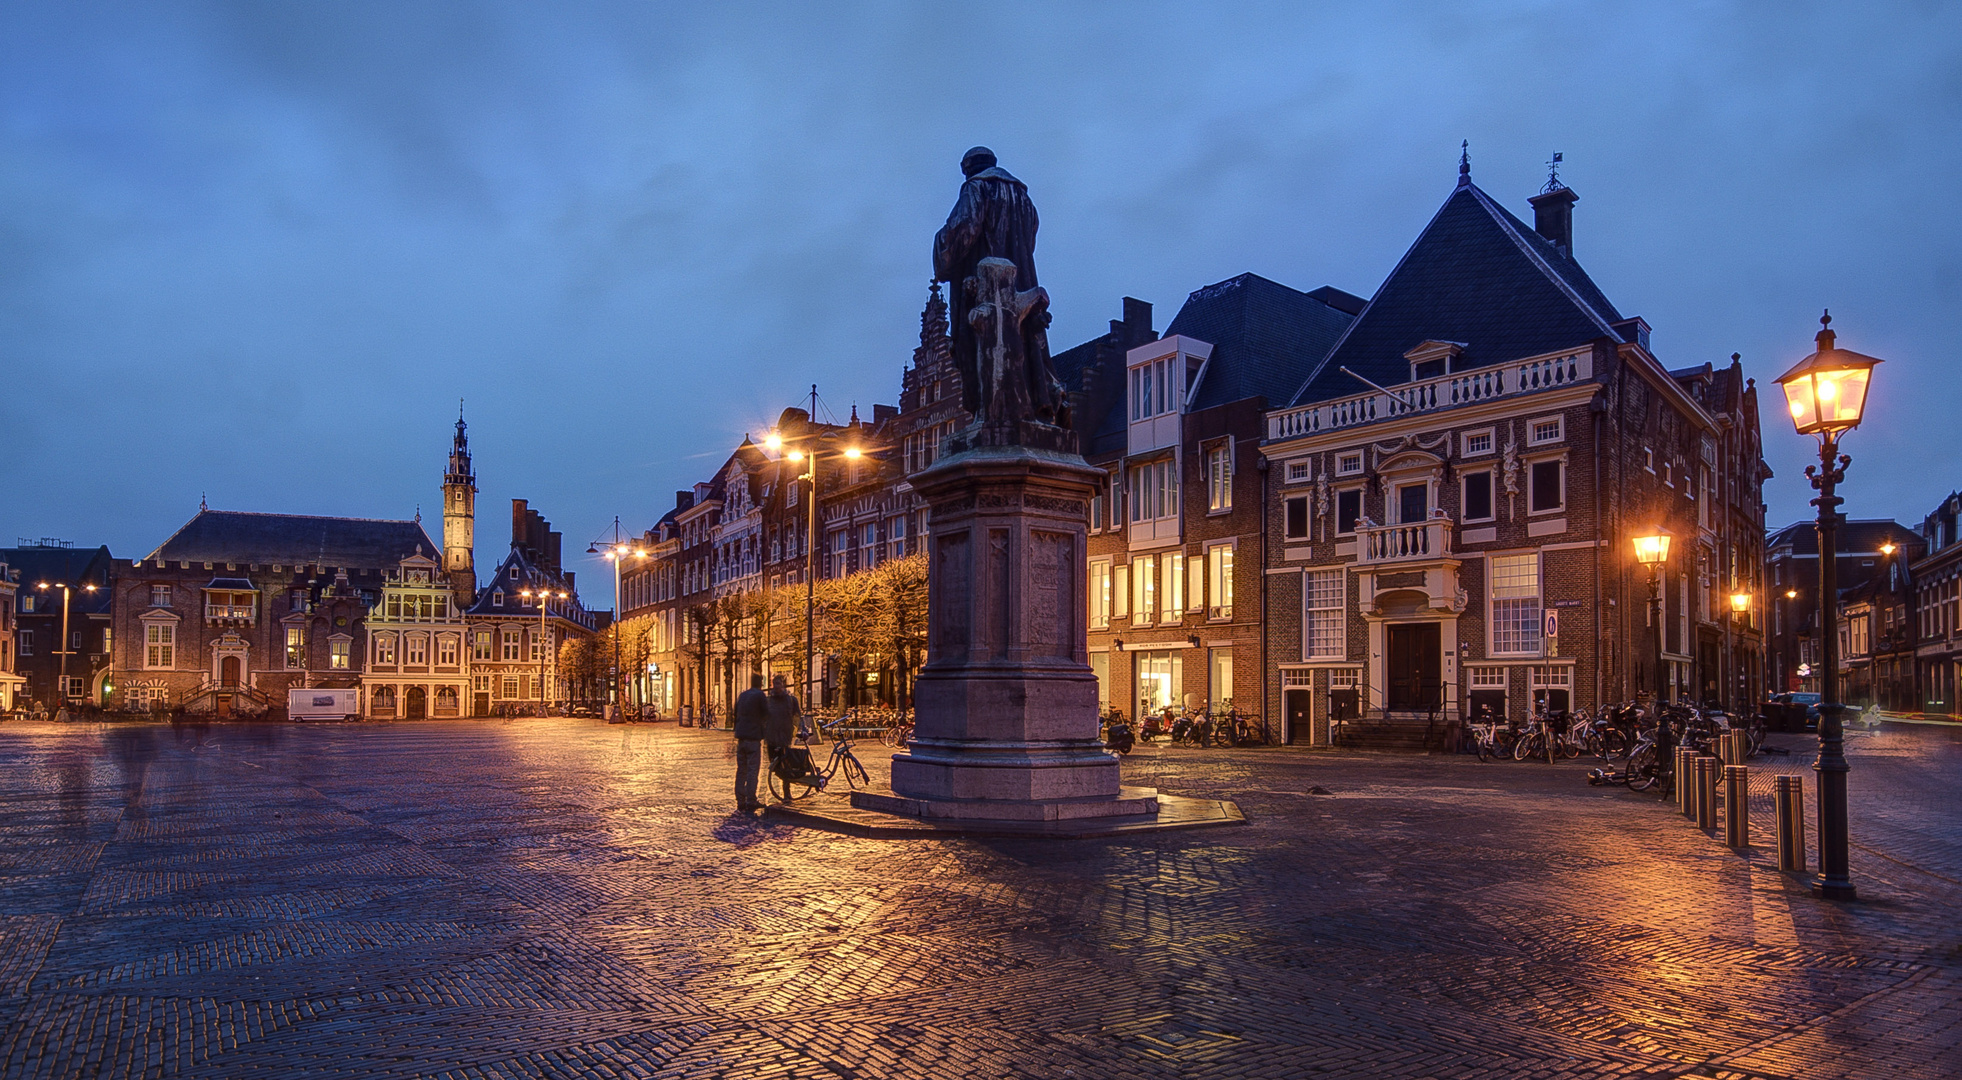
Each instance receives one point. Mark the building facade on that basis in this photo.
(519, 621)
(1793, 652)
(1456, 486)
(10, 682)
(63, 630)
(417, 658)
(1936, 580)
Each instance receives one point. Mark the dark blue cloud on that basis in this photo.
(258, 251)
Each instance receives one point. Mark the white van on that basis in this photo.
(302, 705)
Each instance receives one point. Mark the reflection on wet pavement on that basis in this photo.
(567, 898)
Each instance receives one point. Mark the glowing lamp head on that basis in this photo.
(1826, 392)
(852, 452)
(1652, 549)
(1887, 548)
(1740, 602)
(796, 455)
(774, 442)
(1791, 594)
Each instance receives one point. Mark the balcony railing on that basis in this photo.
(1444, 392)
(1403, 543)
(228, 613)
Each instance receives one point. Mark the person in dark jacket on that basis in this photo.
(752, 715)
(781, 727)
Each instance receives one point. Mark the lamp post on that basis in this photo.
(1740, 606)
(777, 442)
(544, 642)
(61, 682)
(1825, 394)
(616, 553)
(1652, 551)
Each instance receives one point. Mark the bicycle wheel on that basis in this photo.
(1526, 746)
(1643, 771)
(853, 772)
(1568, 749)
(1479, 747)
(890, 736)
(780, 787)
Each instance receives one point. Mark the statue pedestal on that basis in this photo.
(1005, 709)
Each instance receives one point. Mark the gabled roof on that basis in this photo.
(1265, 336)
(225, 536)
(530, 576)
(1476, 274)
(75, 566)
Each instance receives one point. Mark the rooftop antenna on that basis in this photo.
(1553, 183)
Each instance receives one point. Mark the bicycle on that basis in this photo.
(792, 767)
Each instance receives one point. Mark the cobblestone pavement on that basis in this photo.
(565, 898)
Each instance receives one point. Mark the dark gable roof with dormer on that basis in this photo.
(1265, 336)
(75, 566)
(225, 536)
(1476, 275)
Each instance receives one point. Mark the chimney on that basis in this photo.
(517, 523)
(1137, 323)
(1553, 218)
(552, 550)
(683, 500)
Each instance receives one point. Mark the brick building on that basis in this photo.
(61, 633)
(1936, 579)
(235, 609)
(1175, 552)
(10, 682)
(513, 643)
(1792, 652)
(417, 659)
(1455, 487)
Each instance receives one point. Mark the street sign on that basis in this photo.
(1565, 603)
(1552, 623)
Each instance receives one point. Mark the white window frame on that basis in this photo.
(1154, 490)
(340, 653)
(1300, 471)
(1465, 448)
(1172, 592)
(1491, 495)
(1100, 599)
(159, 644)
(1144, 588)
(1532, 489)
(1324, 615)
(1521, 634)
(1349, 463)
(296, 648)
(1219, 582)
(1219, 478)
(1559, 435)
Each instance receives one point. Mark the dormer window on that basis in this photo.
(497, 598)
(1432, 359)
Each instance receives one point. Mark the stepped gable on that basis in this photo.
(1264, 335)
(225, 536)
(1476, 275)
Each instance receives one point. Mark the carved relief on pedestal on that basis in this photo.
(951, 574)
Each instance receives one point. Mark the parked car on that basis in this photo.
(1792, 712)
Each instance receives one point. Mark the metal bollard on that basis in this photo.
(1706, 793)
(1737, 806)
(1788, 793)
(1685, 781)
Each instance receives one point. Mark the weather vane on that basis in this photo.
(1552, 174)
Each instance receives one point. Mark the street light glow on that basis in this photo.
(851, 452)
(1887, 548)
(774, 442)
(796, 455)
(1653, 548)
(1740, 602)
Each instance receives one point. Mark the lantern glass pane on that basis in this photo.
(1800, 404)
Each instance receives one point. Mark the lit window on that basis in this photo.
(296, 647)
(1219, 478)
(339, 655)
(1100, 582)
(159, 645)
(480, 648)
(1219, 581)
(385, 649)
(1174, 590)
(1144, 588)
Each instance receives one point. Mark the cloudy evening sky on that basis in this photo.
(256, 252)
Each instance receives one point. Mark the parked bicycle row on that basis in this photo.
(1627, 731)
(1221, 727)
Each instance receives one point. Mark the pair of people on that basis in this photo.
(761, 718)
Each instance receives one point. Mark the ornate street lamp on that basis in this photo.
(61, 683)
(1652, 551)
(776, 442)
(1825, 393)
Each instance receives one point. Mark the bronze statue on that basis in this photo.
(994, 220)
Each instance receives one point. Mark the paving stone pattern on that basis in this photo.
(467, 899)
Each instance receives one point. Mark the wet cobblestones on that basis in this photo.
(564, 898)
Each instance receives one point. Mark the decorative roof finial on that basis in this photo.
(1464, 163)
(1825, 337)
(201, 504)
(418, 521)
(1553, 183)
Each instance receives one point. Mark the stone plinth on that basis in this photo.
(1005, 709)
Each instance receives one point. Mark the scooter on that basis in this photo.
(1119, 737)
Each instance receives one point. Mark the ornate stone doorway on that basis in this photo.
(1415, 667)
(415, 703)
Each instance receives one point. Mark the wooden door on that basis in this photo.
(1415, 666)
(228, 671)
(1296, 702)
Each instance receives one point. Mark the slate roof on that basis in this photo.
(226, 536)
(530, 576)
(1265, 336)
(1476, 275)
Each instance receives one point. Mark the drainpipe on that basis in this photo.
(1599, 408)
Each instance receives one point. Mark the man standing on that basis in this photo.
(752, 717)
(781, 727)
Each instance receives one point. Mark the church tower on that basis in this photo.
(460, 517)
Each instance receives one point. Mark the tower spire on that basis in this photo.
(1464, 163)
(460, 515)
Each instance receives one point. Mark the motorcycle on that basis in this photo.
(1119, 737)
